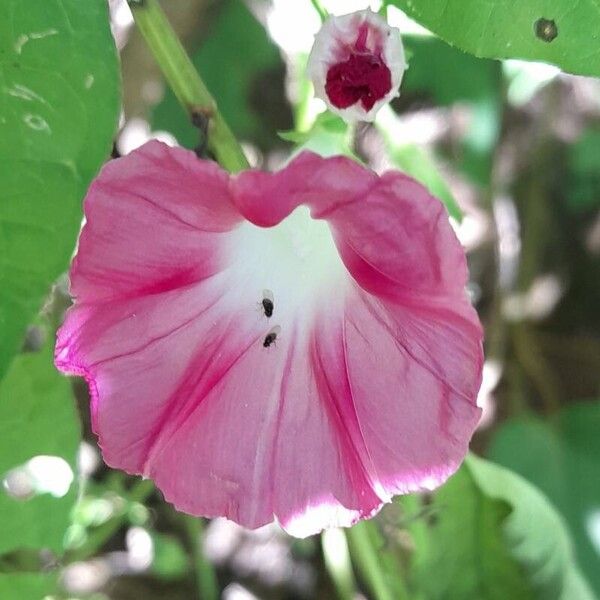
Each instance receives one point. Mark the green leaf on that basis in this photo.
(495, 536)
(59, 104)
(564, 462)
(243, 88)
(534, 531)
(37, 417)
(561, 32)
(26, 586)
(467, 539)
(328, 136)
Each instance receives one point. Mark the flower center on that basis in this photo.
(296, 260)
(363, 77)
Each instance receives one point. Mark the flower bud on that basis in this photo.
(356, 64)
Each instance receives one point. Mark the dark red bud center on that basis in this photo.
(363, 78)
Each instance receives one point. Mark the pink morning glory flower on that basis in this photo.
(294, 345)
(356, 64)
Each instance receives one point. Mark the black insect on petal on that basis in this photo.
(271, 336)
(267, 303)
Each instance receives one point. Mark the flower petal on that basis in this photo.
(264, 441)
(406, 341)
(152, 219)
(417, 414)
(369, 387)
(393, 236)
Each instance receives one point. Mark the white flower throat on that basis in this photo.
(296, 262)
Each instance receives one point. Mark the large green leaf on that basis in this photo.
(467, 550)
(496, 537)
(561, 32)
(239, 65)
(26, 586)
(37, 417)
(59, 104)
(564, 462)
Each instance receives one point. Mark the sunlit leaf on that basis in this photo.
(59, 103)
(496, 536)
(564, 462)
(561, 32)
(37, 418)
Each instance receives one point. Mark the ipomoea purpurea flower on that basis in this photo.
(368, 387)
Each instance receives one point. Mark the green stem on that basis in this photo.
(303, 119)
(367, 557)
(337, 562)
(186, 83)
(320, 9)
(208, 587)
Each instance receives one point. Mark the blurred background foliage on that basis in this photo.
(513, 150)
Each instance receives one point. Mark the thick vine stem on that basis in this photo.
(186, 82)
